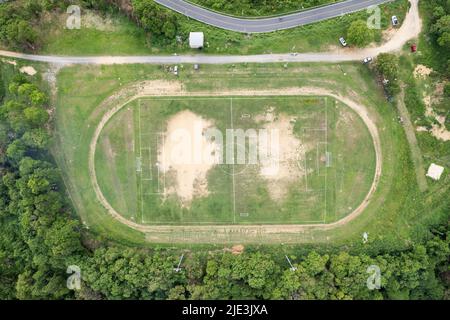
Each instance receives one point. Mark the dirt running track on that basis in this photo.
(246, 233)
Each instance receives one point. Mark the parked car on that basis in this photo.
(342, 41)
(367, 60)
(394, 20)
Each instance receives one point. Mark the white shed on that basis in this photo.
(196, 40)
(435, 171)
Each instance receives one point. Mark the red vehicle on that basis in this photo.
(413, 48)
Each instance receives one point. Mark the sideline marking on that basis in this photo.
(232, 166)
(159, 134)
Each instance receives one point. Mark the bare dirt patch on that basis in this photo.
(160, 87)
(237, 249)
(422, 71)
(184, 155)
(438, 130)
(28, 70)
(281, 168)
(388, 34)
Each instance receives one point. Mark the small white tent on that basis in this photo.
(435, 171)
(196, 40)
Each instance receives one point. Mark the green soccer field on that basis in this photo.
(326, 165)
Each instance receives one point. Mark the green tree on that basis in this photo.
(359, 33)
(387, 65)
(36, 138)
(442, 29)
(16, 151)
(36, 116)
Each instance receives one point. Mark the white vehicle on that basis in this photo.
(342, 41)
(394, 20)
(175, 70)
(367, 60)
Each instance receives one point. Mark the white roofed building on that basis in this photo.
(196, 40)
(435, 171)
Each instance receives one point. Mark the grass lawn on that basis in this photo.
(398, 212)
(125, 38)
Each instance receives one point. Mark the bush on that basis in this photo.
(447, 90)
(359, 33)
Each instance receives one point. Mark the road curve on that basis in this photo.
(268, 24)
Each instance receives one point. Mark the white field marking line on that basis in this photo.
(226, 97)
(326, 150)
(325, 130)
(151, 133)
(306, 166)
(150, 159)
(314, 129)
(335, 182)
(319, 144)
(317, 158)
(159, 175)
(141, 200)
(135, 215)
(335, 192)
(233, 166)
(242, 224)
(164, 172)
(233, 178)
(134, 133)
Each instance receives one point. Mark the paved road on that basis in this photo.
(268, 24)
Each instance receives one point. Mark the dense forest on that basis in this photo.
(40, 235)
